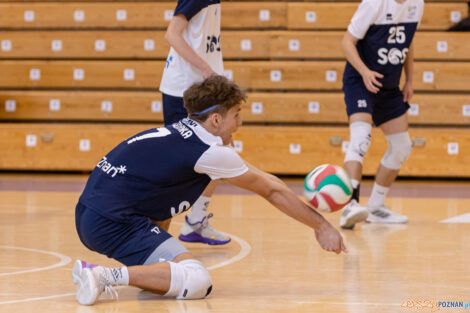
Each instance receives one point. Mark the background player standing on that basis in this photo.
(160, 173)
(377, 45)
(195, 54)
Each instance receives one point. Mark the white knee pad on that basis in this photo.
(359, 141)
(189, 280)
(399, 148)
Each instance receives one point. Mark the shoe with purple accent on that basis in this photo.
(202, 232)
(78, 268)
(91, 281)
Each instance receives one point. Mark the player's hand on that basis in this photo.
(407, 91)
(330, 239)
(371, 82)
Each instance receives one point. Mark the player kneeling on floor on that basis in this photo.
(135, 190)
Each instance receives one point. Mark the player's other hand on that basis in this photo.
(371, 82)
(330, 239)
(407, 91)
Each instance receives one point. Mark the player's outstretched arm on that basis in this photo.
(369, 77)
(278, 194)
(174, 36)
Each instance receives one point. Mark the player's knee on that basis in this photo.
(359, 142)
(190, 280)
(399, 148)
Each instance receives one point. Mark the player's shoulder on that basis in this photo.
(370, 7)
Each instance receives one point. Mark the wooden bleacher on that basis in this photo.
(71, 147)
(289, 45)
(100, 63)
(235, 15)
(256, 75)
(269, 107)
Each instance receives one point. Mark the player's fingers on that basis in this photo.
(372, 88)
(376, 82)
(378, 75)
(343, 247)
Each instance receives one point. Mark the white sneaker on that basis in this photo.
(383, 214)
(91, 283)
(353, 213)
(78, 267)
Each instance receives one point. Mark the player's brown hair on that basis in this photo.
(216, 94)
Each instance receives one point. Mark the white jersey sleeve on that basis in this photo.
(220, 162)
(365, 16)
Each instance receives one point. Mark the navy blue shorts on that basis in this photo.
(383, 106)
(173, 109)
(130, 242)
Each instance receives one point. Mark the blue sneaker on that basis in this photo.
(202, 232)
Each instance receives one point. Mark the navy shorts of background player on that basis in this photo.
(152, 175)
(383, 49)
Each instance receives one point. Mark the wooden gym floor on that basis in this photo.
(273, 263)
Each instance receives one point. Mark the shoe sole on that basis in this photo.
(357, 218)
(200, 239)
(87, 293)
(77, 271)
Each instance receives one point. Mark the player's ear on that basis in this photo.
(216, 119)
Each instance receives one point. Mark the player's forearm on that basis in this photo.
(409, 62)
(288, 203)
(350, 51)
(186, 52)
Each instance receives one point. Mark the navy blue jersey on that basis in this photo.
(190, 8)
(150, 174)
(385, 29)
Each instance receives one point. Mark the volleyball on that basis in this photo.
(328, 188)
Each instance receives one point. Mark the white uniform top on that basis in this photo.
(218, 161)
(384, 12)
(203, 35)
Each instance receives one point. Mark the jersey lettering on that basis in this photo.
(213, 44)
(182, 207)
(397, 35)
(393, 56)
(161, 132)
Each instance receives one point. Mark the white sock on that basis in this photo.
(117, 275)
(354, 183)
(198, 211)
(378, 195)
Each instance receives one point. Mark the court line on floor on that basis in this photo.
(245, 249)
(38, 298)
(63, 260)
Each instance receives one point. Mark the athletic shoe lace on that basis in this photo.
(205, 222)
(109, 291)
